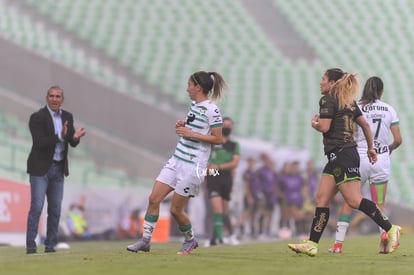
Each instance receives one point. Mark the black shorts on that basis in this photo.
(220, 185)
(343, 165)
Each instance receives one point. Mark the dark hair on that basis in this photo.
(227, 118)
(55, 87)
(373, 90)
(209, 81)
(334, 74)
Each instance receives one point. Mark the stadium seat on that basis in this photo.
(18, 27)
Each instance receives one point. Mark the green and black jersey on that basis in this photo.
(340, 134)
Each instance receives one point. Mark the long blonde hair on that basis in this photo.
(345, 90)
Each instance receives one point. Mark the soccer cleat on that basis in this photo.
(336, 248)
(383, 247)
(394, 237)
(307, 247)
(141, 245)
(188, 247)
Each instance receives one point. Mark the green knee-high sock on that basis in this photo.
(218, 226)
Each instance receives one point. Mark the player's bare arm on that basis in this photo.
(397, 139)
(321, 124)
(215, 137)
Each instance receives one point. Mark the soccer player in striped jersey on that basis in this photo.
(383, 121)
(185, 170)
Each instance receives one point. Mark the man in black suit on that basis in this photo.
(52, 131)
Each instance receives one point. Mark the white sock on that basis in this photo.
(148, 229)
(189, 235)
(341, 229)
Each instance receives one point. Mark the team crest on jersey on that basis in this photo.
(202, 110)
(337, 171)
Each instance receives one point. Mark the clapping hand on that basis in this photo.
(76, 135)
(79, 133)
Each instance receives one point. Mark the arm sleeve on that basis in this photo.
(37, 129)
(326, 107)
(357, 111)
(71, 131)
(214, 117)
(394, 118)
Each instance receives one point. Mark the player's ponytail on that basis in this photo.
(345, 90)
(210, 81)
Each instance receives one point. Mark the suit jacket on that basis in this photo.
(44, 141)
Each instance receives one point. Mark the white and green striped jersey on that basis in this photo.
(200, 119)
(380, 117)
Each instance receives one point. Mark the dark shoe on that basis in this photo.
(141, 245)
(50, 250)
(31, 250)
(213, 242)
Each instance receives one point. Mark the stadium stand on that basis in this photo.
(151, 53)
(162, 51)
(19, 27)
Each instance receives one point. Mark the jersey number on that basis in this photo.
(378, 147)
(377, 120)
(348, 124)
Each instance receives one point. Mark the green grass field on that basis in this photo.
(360, 257)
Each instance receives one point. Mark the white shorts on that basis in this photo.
(377, 173)
(185, 178)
